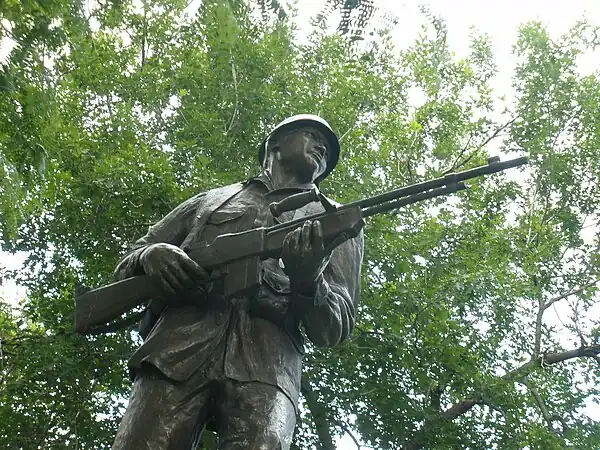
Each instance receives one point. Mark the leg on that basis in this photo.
(162, 414)
(254, 416)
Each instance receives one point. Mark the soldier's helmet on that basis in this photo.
(304, 120)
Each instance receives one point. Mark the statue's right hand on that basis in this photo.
(172, 268)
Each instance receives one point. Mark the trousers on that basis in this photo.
(164, 414)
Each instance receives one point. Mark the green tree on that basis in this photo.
(112, 113)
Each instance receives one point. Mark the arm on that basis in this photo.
(172, 229)
(328, 310)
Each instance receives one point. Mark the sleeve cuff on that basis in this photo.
(319, 298)
(129, 266)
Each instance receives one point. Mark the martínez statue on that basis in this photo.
(237, 362)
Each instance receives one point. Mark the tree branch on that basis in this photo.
(460, 408)
(590, 351)
(540, 403)
(455, 165)
(550, 302)
(448, 415)
(435, 397)
(542, 307)
(345, 428)
(144, 36)
(346, 132)
(319, 415)
(462, 152)
(520, 373)
(537, 346)
(548, 359)
(576, 323)
(236, 109)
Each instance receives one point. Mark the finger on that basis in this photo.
(164, 285)
(317, 238)
(286, 247)
(171, 277)
(305, 239)
(290, 250)
(194, 269)
(295, 242)
(177, 269)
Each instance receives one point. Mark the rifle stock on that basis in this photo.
(99, 306)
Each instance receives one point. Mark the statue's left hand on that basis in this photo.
(304, 256)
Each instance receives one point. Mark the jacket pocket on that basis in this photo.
(221, 216)
(273, 298)
(273, 302)
(275, 278)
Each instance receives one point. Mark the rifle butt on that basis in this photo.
(100, 306)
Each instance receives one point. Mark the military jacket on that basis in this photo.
(258, 337)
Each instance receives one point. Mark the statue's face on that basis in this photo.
(303, 151)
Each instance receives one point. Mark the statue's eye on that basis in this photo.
(317, 136)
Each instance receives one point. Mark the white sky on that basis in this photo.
(500, 20)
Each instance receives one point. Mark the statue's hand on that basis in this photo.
(172, 268)
(304, 256)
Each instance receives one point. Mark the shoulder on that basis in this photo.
(223, 190)
(215, 192)
(198, 200)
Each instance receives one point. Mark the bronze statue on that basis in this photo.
(237, 277)
(236, 360)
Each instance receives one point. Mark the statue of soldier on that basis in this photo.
(237, 362)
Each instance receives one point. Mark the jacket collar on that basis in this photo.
(265, 179)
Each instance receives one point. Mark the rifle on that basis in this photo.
(237, 256)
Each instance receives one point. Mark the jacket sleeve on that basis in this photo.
(329, 316)
(172, 229)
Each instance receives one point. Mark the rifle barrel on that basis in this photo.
(410, 199)
(449, 179)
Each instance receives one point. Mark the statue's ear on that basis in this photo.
(273, 147)
(274, 143)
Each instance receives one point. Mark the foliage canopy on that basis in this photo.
(112, 113)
